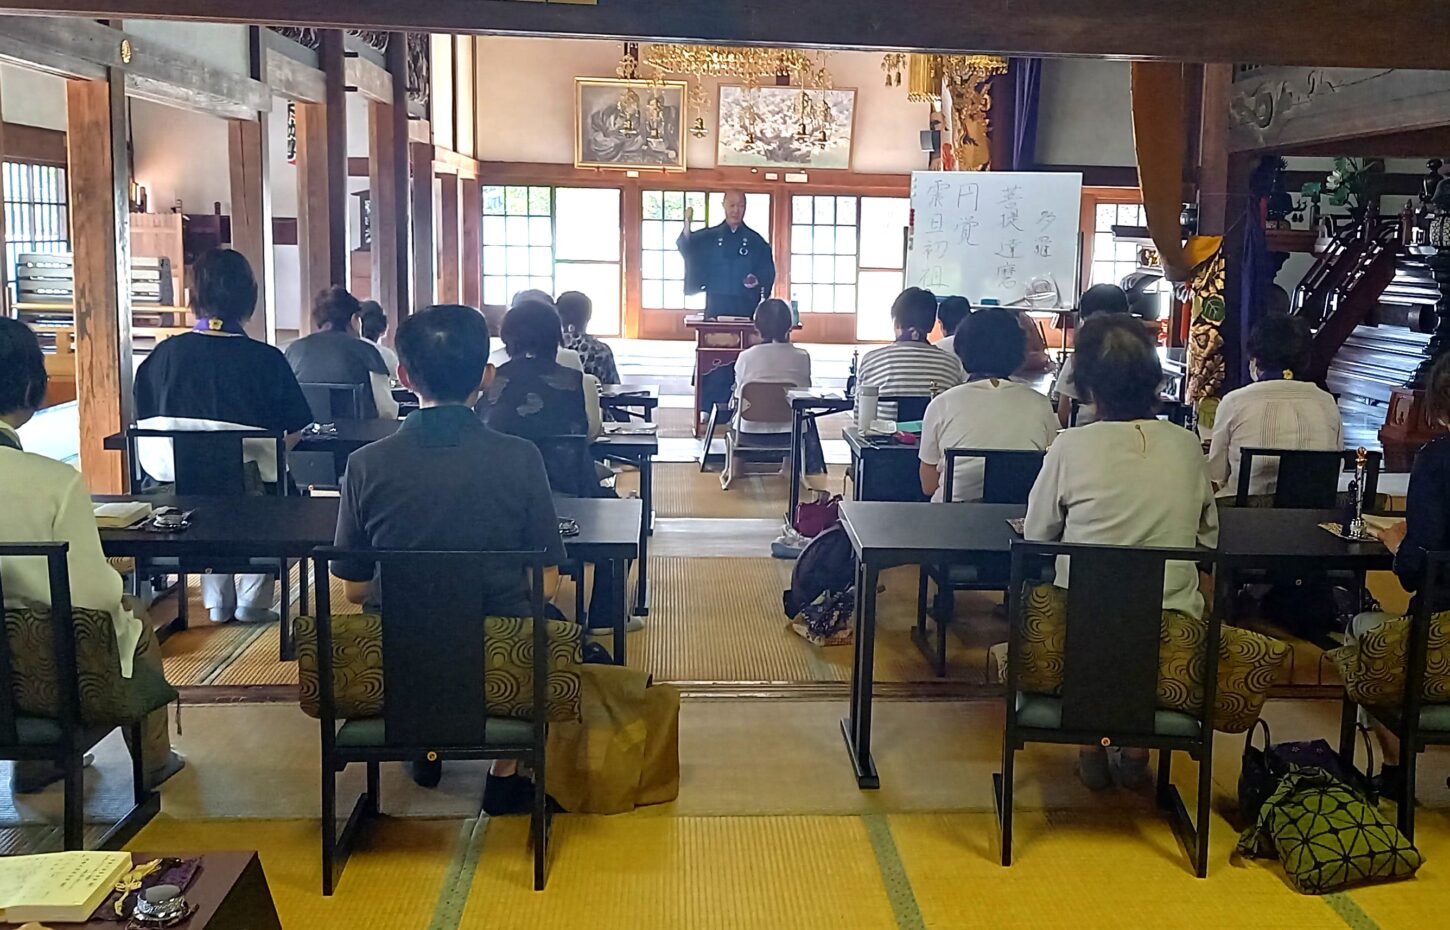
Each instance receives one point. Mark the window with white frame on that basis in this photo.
(1114, 261)
(848, 255)
(36, 214)
(554, 239)
(662, 270)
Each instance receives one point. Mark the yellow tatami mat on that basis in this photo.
(642, 872)
(682, 490)
(393, 880)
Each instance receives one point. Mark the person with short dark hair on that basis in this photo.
(950, 313)
(335, 354)
(1128, 479)
(910, 366)
(373, 325)
(989, 411)
(1275, 411)
(575, 310)
(536, 397)
(1096, 300)
(218, 378)
(1425, 529)
(446, 481)
(773, 359)
(48, 501)
(564, 356)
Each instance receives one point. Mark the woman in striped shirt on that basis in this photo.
(910, 366)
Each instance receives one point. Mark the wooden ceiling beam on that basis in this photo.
(83, 48)
(1385, 33)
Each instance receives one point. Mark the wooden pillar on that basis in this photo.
(471, 239)
(388, 177)
(424, 271)
(100, 233)
(251, 189)
(631, 215)
(448, 265)
(334, 75)
(314, 209)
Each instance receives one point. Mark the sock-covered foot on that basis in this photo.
(504, 795)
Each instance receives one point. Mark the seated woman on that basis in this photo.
(1127, 480)
(218, 378)
(910, 365)
(47, 501)
(989, 411)
(335, 354)
(565, 356)
(1275, 412)
(775, 360)
(1426, 528)
(575, 310)
(950, 313)
(373, 323)
(1100, 298)
(536, 398)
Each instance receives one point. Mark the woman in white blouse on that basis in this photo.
(1274, 412)
(47, 501)
(1126, 480)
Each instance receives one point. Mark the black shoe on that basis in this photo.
(504, 795)
(595, 654)
(426, 774)
(1390, 783)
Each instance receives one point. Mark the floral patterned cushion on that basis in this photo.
(508, 677)
(1373, 665)
(1248, 662)
(106, 697)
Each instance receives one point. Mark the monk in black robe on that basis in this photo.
(729, 261)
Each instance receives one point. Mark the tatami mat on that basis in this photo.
(193, 655)
(682, 490)
(392, 881)
(683, 873)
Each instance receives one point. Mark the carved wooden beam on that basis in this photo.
(83, 48)
(1287, 109)
(1381, 33)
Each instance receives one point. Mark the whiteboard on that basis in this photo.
(997, 234)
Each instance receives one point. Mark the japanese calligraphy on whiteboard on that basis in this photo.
(1012, 236)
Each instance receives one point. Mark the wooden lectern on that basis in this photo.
(717, 342)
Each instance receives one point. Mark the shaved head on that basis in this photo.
(734, 208)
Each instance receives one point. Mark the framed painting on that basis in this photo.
(629, 124)
(773, 139)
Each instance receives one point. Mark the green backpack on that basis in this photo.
(1326, 835)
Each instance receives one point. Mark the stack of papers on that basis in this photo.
(632, 428)
(119, 514)
(64, 887)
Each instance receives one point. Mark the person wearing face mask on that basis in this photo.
(729, 261)
(1275, 411)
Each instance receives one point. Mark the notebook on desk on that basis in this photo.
(64, 887)
(119, 514)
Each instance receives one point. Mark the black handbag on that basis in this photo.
(1262, 768)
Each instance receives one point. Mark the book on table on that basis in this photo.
(117, 514)
(64, 887)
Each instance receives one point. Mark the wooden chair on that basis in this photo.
(1308, 480)
(212, 463)
(436, 707)
(760, 402)
(65, 739)
(1110, 676)
(1007, 478)
(1415, 723)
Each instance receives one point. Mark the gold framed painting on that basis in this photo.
(629, 124)
(760, 127)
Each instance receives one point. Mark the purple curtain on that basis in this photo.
(1027, 84)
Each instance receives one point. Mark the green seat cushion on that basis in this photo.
(37, 731)
(1434, 718)
(1045, 713)
(370, 731)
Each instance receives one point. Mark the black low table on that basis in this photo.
(886, 534)
(806, 405)
(883, 469)
(239, 527)
(631, 399)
